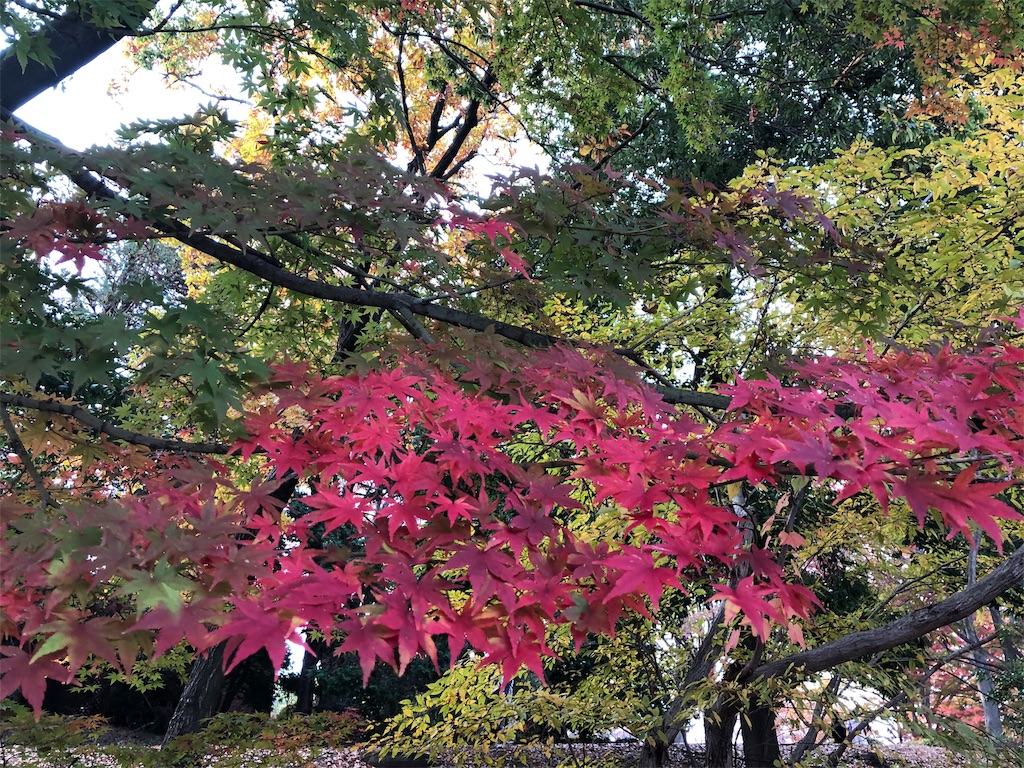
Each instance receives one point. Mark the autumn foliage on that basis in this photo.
(483, 497)
(724, 391)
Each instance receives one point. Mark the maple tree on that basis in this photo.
(536, 460)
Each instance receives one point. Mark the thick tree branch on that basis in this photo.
(612, 10)
(73, 42)
(912, 626)
(469, 122)
(82, 416)
(434, 132)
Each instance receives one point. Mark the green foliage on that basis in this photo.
(934, 228)
(235, 740)
(469, 716)
(147, 675)
(230, 740)
(464, 712)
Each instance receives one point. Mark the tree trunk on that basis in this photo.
(654, 753)
(719, 725)
(304, 694)
(201, 698)
(983, 662)
(760, 738)
(73, 42)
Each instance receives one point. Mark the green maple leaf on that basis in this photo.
(165, 587)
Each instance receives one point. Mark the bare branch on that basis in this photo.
(612, 10)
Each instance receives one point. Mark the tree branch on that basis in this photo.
(73, 43)
(412, 325)
(718, 17)
(271, 269)
(898, 698)
(26, 458)
(612, 10)
(417, 163)
(93, 422)
(471, 120)
(912, 626)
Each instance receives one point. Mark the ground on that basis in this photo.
(573, 756)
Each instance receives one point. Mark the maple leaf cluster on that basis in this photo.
(448, 496)
(72, 230)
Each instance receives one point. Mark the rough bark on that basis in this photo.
(982, 660)
(760, 738)
(910, 627)
(201, 698)
(719, 726)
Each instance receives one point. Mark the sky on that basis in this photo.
(84, 110)
(88, 107)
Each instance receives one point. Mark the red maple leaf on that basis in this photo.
(750, 599)
(253, 626)
(960, 503)
(18, 671)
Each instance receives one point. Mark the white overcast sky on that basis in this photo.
(83, 110)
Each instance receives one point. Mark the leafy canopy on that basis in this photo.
(536, 460)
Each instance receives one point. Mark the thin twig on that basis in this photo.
(418, 162)
(91, 421)
(27, 464)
